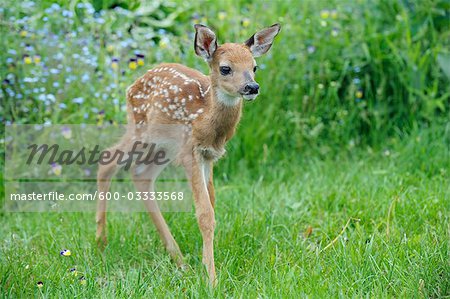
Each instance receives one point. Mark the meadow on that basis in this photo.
(337, 183)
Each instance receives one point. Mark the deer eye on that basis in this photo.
(225, 70)
(255, 68)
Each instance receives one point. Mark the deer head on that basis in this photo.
(232, 65)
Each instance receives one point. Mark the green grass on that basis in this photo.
(339, 72)
(398, 248)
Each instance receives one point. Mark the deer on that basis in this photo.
(209, 107)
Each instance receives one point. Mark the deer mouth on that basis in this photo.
(250, 96)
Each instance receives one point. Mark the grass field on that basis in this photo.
(337, 183)
(273, 236)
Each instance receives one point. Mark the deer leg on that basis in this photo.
(212, 197)
(104, 175)
(144, 182)
(205, 214)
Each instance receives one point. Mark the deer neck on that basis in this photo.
(220, 119)
(225, 111)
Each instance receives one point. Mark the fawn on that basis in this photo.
(210, 108)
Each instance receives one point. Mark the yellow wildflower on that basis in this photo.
(132, 64)
(222, 15)
(324, 14)
(140, 59)
(115, 63)
(163, 44)
(37, 59)
(27, 59)
(82, 280)
(334, 14)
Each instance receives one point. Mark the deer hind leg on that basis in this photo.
(104, 176)
(144, 181)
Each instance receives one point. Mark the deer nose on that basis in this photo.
(251, 88)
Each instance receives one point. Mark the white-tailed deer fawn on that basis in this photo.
(209, 107)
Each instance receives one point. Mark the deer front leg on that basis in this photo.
(212, 196)
(205, 213)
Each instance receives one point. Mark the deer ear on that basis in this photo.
(205, 42)
(261, 41)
